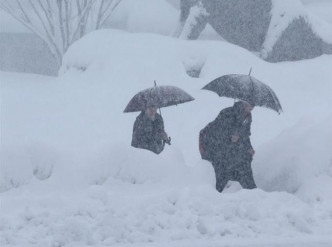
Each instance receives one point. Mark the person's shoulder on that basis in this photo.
(224, 114)
(250, 116)
(226, 111)
(158, 116)
(140, 116)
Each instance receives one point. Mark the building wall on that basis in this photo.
(26, 52)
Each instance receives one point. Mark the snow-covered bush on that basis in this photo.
(276, 29)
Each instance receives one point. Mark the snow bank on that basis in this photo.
(306, 156)
(20, 164)
(70, 178)
(95, 87)
(115, 213)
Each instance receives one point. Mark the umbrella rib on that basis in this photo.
(252, 90)
(275, 99)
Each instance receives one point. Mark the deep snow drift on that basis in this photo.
(69, 177)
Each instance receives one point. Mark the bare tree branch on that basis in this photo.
(61, 26)
(106, 16)
(81, 19)
(99, 15)
(4, 6)
(28, 25)
(84, 21)
(48, 36)
(78, 4)
(25, 16)
(67, 24)
(60, 22)
(51, 15)
(48, 16)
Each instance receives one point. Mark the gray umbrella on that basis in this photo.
(246, 88)
(158, 96)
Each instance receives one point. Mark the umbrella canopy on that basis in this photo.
(246, 88)
(158, 96)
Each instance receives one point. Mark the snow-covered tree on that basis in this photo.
(278, 30)
(60, 22)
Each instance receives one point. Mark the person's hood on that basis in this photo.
(239, 111)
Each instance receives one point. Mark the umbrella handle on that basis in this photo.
(155, 84)
(168, 141)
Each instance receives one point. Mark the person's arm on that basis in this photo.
(161, 128)
(134, 141)
(246, 136)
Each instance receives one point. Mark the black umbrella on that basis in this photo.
(246, 88)
(158, 96)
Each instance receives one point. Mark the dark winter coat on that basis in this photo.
(147, 134)
(215, 139)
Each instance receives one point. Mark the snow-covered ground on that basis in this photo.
(70, 178)
(321, 8)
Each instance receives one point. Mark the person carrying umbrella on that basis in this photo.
(225, 142)
(148, 131)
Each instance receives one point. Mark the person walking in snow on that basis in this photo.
(148, 131)
(225, 142)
